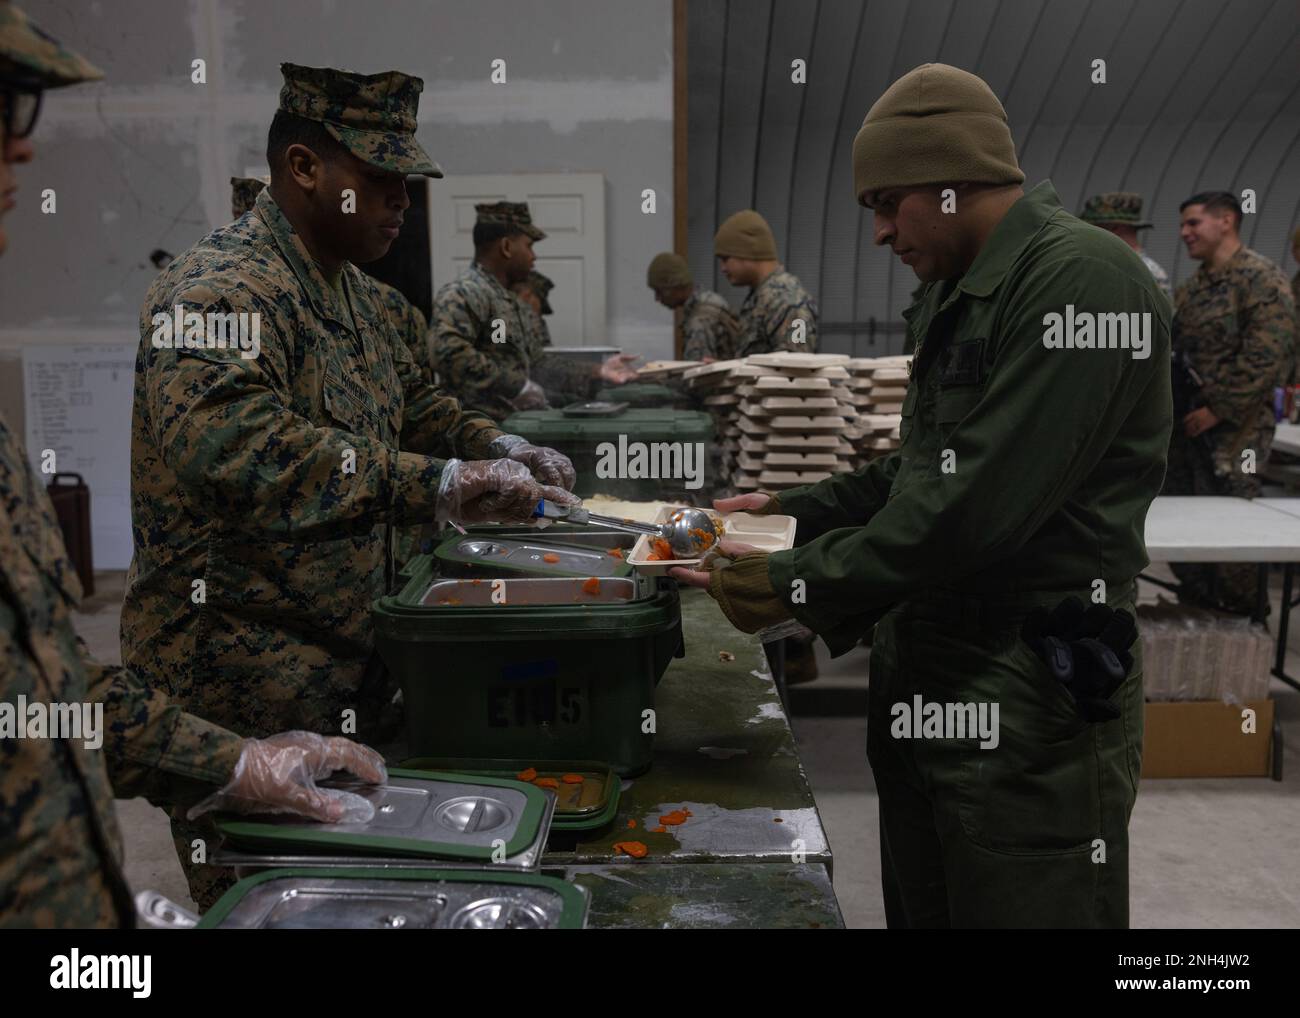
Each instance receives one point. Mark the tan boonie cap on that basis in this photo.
(745, 235)
(936, 124)
(511, 214)
(373, 115)
(1114, 207)
(668, 269)
(244, 192)
(31, 59)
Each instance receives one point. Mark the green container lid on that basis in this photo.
(585, 807)
(409, 617)
(475, 554)
(553, 428)
(395, 837)
(283, 906)
(643, 394)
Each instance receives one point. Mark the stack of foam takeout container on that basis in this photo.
(787, 419)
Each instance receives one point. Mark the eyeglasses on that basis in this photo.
(20, 110)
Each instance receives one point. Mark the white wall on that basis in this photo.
(142, 160)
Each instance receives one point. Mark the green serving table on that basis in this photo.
(723, 750)
(708, 896)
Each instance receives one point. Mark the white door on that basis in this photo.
(569, 207)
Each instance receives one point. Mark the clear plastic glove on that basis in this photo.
(618, 369)
(493, 491)
(531, 397)
(549, 466)
(279, 775)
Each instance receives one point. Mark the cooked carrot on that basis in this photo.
(675, 818)
(631, 824)
(546, 783)
(591, 586)
(615, 552)
(633, 848)
(661, 829)
(573, 779)
(527, 774)
(551, 558)
(662, 549)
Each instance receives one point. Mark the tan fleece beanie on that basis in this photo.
(934, 125)
(745, 235)
(667, 270)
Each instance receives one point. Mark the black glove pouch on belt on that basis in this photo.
(1086, 650)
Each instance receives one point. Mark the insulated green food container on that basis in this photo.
(645, 455)
(533, 668)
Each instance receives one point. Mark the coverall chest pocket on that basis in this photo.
(951, 406)
(907, 441)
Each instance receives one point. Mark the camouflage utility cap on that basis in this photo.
(542, 286)
(244, 192)
(373, 115)
(29, 58)
(1115, 207)
(511, 214)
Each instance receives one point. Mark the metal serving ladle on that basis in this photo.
(682, 531)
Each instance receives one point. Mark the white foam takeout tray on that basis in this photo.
(766, 533)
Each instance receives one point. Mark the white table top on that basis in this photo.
(1286, 438)
(1209, 528)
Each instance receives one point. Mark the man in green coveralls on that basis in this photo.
(1030, 454)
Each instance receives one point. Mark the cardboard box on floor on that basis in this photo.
(1204, 739)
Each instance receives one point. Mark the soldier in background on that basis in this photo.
(1234, 322)
(708, 327)
(60, 847)
(1295, 297)
(1120, 213)
(535, 291)
(1295, 280)
(484, 346)
(562, 381)
(778, 314)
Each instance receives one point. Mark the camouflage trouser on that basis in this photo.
(207, 882)
(1212, 467)
(1029, 832)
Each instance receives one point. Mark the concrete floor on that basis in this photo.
(1206, 854)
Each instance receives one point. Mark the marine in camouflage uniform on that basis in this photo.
(242, 468)
(490, 374)
(1120, 213)
(769, 314)
(407, 319)
(708, 327)
(1295, 297)
(60, 848)
(778, 313)
(1236, 325)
